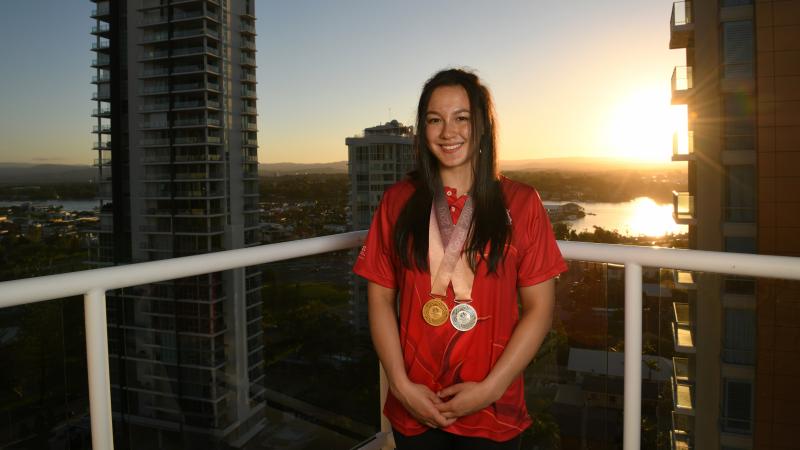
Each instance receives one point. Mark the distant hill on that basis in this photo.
(287, 168)
(45, 173)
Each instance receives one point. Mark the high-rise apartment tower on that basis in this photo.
(379, 158)
(175, 139)
(737, 338)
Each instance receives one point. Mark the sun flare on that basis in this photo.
(652, 219)
(641, 125)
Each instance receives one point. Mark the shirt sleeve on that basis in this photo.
(375, 261)
(542, 259)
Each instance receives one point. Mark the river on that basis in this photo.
(639, 217)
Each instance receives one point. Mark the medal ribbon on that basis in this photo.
(445, 250)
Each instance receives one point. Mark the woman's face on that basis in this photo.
(448, 126)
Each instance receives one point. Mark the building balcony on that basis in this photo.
(150, 19)
(182, 212)
(682, 397)
(248, 61)
(680, 369)
(201, 122)
(194, 69)
(100, 324)
(156, 89)
(102, 96)
(683, 338)
(682, 424)
(683, 211)
(683, 146)
(103, 11)
(101, 61)
(681, 25)
(101, 112)
(682, 328)
(195, 32)
(103, 145)
(195, 51)
(101, 45)
(102, 29)
(160, 125)
(154, 106)
(151, 55)
(248, 28)
(155, 72)
(680, 441)
(195, 104)
(684, 279)
(681, 85)
(150, 38)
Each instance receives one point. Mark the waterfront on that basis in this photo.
(639, 217)
(67, 205)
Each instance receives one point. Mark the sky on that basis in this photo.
(569, 78)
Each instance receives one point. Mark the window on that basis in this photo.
(740, 244)
(737, 49)
(740, 142)
(740, 336)
(739, 115)
(740, 204)
(728, 3)
(737, 406)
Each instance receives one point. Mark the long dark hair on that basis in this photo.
(489, 222)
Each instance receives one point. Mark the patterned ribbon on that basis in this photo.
(445, 249)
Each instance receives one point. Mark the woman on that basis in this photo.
(454, 359)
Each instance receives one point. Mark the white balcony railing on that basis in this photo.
(93, 284)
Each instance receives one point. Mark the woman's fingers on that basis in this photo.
(422, 403)
(451, 390)
(463, 399)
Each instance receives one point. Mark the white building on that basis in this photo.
(377, 159)
(176, 157)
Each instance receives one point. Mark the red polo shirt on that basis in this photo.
(442, 356)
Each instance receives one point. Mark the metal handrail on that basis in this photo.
(93, 284)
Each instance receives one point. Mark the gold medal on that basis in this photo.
(435, 312)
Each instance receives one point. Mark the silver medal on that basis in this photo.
(463, 317)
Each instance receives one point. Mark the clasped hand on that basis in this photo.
(443, 408)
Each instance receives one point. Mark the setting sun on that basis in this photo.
(641, 125)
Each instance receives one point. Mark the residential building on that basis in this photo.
(176, 156)
(737, 337)
(377, 159)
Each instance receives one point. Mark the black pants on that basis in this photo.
(435, 439)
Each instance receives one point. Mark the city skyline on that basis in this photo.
(562, 86)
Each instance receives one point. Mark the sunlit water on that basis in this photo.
(639, 217)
